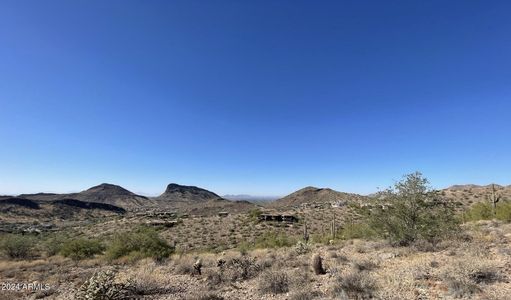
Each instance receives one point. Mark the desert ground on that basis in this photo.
(54, 249)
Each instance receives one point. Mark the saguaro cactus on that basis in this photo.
(305, 233)
(333, 227)
(494, 198)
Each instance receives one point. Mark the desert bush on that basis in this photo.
(272, 239)
(317, 265)
(149, 279)
(464, 275)
(52, 245)
(361, 230)
(267, 261)
(484, 211)
(81, 248)
(486, 276)
(254, 214)
(503, 211)
(184, 266)
(412, 211)
(301, 248)
(321, 239)
(17, 246)
(355, 285)
(300, 284)
(479, 211)
(364, 265)
(304, 295)
(273, 281)
(213, 278)
(140, 243)
(461, 288)
(240, 268)
(102, 286)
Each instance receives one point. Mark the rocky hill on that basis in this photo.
(182, 198)
(198, 201)
(184, 193)
(19, 213)
(103, 193)
(470, 193)
(312, 196)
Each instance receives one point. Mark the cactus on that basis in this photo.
(317, 265)
(494, 198)
(197, 267)
(102, 285)
(333, 228)
(305, 233)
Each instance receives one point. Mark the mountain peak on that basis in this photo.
(109, 188)
(311, 194)
(177, 192)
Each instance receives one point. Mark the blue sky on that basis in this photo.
(253, 97)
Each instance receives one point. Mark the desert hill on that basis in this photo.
(184, 193)
(313, 195)
(198, 201)
(19, 213)
(471, 193)
(103, 193)
(181, 198)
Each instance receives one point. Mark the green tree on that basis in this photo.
(81, 248)
(17, 246)
(412, 211)
(139, 243)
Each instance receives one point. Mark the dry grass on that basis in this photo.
(476, 266)
(273, 281)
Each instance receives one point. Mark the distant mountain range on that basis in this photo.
(195, 200)
(251, 198)
(188, 199)
(103, 193)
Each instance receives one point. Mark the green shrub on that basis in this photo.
(81, 248)
(272, 239)
(52, 244)
(411, 211)
(484, 211)
(479, 211)
(255, 213)
(321, 238)
(357, 231)
(17, 246)
(503, 211)
(140, 243)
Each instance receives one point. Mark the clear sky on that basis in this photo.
(253, 97)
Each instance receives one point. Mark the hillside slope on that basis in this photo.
(104, 193)
(470, 193)
(198, 201)
(312, 195)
